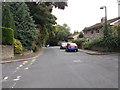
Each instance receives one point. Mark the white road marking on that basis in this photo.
(77, 61)
(17, 67)
(26, 68)
(14, 85)
(20, 65)
(5, 78)
(16, 79)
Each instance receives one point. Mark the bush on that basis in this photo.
(18, 48)
(86, 45)
(110, 43)
(79, 42)
(34, 47)
(7, 36)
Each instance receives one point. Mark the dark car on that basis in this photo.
(63, 45)
(72, 47)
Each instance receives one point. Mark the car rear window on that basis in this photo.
(73, 44)
(64, 43)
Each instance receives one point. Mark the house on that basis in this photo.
(96, 31)
(73, 37)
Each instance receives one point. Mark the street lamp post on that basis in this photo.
(105, 23)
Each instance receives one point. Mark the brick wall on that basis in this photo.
(7, 51)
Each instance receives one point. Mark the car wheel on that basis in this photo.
(77, 50)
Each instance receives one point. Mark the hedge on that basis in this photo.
(7, 36)
(110, 43)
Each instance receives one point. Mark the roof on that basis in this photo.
(99, 25)
(73, 36)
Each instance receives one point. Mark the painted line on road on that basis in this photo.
(5, 78)
(16, 79)
(26, 68)
(77, 61)
(14, 84)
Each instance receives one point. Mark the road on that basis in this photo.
(55, 68)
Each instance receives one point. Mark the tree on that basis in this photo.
(76, 32)
(43, 17)
(7, 17)
(60, 33)
(25, 27)
(81, 35)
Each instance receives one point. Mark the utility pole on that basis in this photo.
(106, 33)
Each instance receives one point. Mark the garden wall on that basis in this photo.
(7, 51)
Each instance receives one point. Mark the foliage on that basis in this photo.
(110, 43)
(59, 33)
(81, 35)
(86, 45)
(18, 48)
(34, 47)
(79, 42)
(25, 27)
(44, 19)
(114, 30)
(7, 17)
(7, 36)
(76, 32)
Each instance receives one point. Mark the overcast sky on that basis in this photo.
(84, 13)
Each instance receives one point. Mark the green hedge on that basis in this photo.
(7, 36)
(110, 43)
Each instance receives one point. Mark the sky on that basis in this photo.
(84, 13)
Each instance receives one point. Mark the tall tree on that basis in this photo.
(7, 17)
(25, 27)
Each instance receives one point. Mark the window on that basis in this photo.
(97, 31)
(92, 32)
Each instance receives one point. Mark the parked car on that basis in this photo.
(71, 47)
(63, 45)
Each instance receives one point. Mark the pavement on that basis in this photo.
(19, 58)
(35, 55)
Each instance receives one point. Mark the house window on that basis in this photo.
(97, 31)
(92, 32)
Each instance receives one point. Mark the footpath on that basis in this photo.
(20, 58)
(97, 52)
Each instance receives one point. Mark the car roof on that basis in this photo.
(72, 43)
(64, 43)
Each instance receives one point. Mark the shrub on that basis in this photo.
(18, 48)
(34, 47)
(86, 45)
(79, 42)
(7, 36)
(110, 43)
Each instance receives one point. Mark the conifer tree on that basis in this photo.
(25, 27)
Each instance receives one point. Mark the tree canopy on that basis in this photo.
(25, 27)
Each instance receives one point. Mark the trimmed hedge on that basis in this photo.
(7, 36)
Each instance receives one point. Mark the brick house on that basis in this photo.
(96, 31)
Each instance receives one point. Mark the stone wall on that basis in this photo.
(93, 35)
(7, 51)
